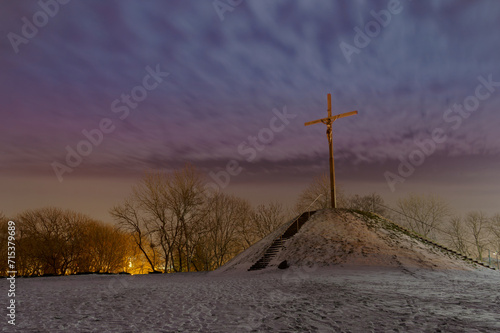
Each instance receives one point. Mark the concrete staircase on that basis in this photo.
(280, 241)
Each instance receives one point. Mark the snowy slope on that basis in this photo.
(339, 237)
(306, 299)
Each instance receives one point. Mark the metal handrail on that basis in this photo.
(313, 203)
(308, 210)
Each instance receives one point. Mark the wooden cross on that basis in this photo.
(328, 121)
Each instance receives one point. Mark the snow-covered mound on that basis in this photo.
(345, 238)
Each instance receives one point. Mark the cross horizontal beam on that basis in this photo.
(331, 119)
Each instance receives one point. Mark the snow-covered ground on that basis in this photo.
(307, 299)
(348, 273)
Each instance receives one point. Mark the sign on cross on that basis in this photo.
(328, 121)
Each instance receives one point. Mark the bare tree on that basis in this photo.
(495, 232)
(478, 225)
(423, 214)
(3, 243)
(130, 220)
(266, 218)
(317, 195)
(185, 197)
(221, 241)
(164, 212)
(27, 264)
(172, 214)
(106, 248)
(368, 203)
(458, 235)
(52, 233)
(246, 230)
(56, 241)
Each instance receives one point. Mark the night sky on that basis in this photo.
(129, 86)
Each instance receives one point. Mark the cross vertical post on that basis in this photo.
(329, 96)
(328, 122)
(333, 196)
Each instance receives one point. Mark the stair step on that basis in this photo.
(277, 244)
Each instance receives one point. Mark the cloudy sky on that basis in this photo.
(94, 93)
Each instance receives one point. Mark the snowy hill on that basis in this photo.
(346, 238)
(389, 281)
